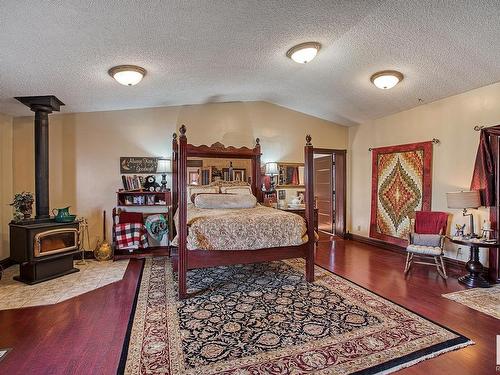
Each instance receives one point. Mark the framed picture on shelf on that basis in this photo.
(281, 194)
(239, 174)
(129, 200)
(150, 200)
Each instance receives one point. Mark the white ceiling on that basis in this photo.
(205, 51)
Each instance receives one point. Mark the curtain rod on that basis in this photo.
(478, 128)
(433, 140)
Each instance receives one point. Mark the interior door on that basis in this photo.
(324, 192)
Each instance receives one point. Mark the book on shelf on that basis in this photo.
(132, 182)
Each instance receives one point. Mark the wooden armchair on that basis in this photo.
(426, 240)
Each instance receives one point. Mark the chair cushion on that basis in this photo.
(424, 250)
(432, 240)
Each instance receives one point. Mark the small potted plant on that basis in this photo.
(23, 206)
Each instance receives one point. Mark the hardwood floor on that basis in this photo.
(84, 335)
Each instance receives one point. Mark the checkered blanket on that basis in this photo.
(131, 236)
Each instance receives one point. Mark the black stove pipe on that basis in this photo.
(42, 106)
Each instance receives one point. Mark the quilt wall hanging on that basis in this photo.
(401, 184)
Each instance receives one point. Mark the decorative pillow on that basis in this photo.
(193, 196)
(225, 201)
(130, 217)
(431, 240)
(236, 190)
(229, 183)
(201, 189)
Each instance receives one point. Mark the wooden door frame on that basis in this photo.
(340, 225)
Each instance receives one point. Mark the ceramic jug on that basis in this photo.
(62, 214)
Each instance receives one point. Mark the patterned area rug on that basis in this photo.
(15, 294)
(265, 319)
(485, 300)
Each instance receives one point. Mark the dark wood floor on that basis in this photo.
(84, 335)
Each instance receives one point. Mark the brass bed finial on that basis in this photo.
(308, 140)
(257, 141)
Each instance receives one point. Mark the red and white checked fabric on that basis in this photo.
(131, 235)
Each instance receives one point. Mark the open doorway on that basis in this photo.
(329, 190)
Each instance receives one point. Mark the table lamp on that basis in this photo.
(464, 200)
(272, 170)
(163, 168)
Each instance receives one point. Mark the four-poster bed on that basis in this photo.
(185, 259)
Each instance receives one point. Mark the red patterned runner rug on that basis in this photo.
(265, 319)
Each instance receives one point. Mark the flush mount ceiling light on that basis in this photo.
(127, 75)
(386, 79)
(304, 52)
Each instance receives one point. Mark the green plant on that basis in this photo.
(22, 204)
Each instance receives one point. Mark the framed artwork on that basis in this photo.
(302, 195)
(401, 184)
(239, 174)
(193, 176)
(281, 194)
(150, 200)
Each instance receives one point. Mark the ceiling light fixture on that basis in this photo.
(304, 52)
(386, 79)
(127, 75)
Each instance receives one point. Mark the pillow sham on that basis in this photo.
(236, 190)
(200, 189)
(432, 240)
(225, 201)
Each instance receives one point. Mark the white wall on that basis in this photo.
(5, 182)
(451, 120)
(85, 147)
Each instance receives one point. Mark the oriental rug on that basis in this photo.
(266, 319)
(401, 185)
(485, 300)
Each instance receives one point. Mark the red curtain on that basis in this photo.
(483, 177)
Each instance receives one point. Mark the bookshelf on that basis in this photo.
(143, 198)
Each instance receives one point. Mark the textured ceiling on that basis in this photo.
(206, 51)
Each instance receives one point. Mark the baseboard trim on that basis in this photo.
(453, 264)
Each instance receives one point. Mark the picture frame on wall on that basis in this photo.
(239, 174)
(193, 176)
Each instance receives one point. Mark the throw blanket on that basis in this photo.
(242, 229)
(431, 222)
(157, 226)
(130, 236)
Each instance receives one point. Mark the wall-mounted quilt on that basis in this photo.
(401, 184)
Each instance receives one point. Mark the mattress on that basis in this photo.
(242, 229)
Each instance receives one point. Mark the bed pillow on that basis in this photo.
(432, 240)
(192, 190)
(236, 190)
(225, 201)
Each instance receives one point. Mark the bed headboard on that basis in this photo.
(216, 150)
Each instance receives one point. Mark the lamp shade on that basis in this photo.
(163, 166)
(463, 199)
(272, 169)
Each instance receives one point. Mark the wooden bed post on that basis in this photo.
(309, 185)
(256, 171)
(175, 187)
(182, 203)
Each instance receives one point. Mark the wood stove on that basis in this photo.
(43, 247)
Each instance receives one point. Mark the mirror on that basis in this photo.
(290, 174)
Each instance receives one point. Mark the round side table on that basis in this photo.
(475, 278)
